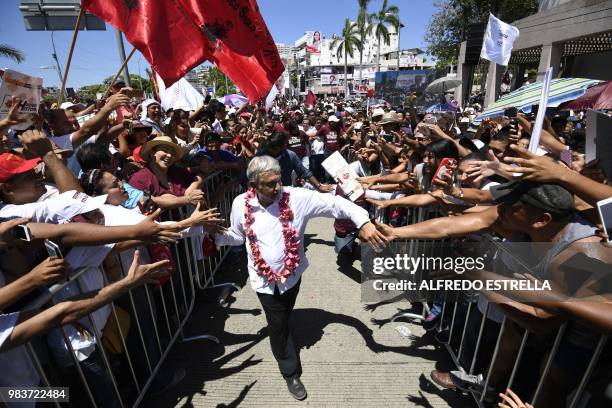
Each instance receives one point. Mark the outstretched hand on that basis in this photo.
(139, 274)
(372, 236)
(387, 231)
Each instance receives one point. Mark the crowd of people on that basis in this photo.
(93, 179)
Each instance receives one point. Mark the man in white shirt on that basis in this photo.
(269, 249)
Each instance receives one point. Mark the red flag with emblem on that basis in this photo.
(177, 35)
(241, 45)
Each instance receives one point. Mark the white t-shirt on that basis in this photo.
(317, 146)
(17, 367)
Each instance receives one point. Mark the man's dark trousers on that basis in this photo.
(278, 310)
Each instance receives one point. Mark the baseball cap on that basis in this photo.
(551, 198)
(69, 204)
(378, 112)
(333, 118)
(12, 165)
(67, 105)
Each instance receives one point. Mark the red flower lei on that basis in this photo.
(290, 236)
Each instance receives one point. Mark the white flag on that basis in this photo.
(498, 41)
(181, 95)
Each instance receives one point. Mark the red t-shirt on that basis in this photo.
(178, 181)
(297, 143)
(345, 226)
(330, 138)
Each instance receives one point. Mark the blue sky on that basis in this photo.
(96, 56)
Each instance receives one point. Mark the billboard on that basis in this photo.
(313, 42)
(393, 86)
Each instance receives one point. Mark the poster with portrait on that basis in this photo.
(330, 79)
(313, 42)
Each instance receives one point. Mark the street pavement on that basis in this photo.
(351, 356)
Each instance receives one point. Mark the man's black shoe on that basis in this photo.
(296, 388)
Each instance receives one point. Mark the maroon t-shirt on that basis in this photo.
(179, 180)
(297, 143)
(345, 226)
(330, 138)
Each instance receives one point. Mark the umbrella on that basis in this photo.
(561, 90)
(443, 84)
(596, 97)
(441, 107)
(234, 100)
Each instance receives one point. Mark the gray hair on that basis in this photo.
(260, 165)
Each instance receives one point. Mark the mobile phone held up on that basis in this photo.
(22, 232)
(447, 165)
(604, 207)
(53, 250)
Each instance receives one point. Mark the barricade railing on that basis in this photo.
(129, 339)
(467, 337)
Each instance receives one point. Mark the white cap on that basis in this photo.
(358, 125)
(378, 112)
(464, 120)
(478, 143)
(64, 207)
(67, 105)
(333, 118)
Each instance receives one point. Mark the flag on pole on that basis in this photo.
(177, 35)
(179, 95)
(498, 41)
(311, 98)
(240, 43)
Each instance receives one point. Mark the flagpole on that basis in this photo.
(74, 37)
(119, 72)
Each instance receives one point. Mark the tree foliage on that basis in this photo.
(222, 84)
(446, 28)
(9, 52)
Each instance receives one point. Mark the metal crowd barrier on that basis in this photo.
(452, 332)
(157, 314)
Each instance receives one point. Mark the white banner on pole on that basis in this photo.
(498, 41)
(539, 122)
(180, 95)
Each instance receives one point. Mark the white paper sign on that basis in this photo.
(498, 41)
(27, 88)
(339, 169)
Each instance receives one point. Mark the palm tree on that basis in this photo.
(364, 27)
(345, 45)
(11, 53)
(387, 15)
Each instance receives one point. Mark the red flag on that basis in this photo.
(311, 99)
(241, 45)
(178, 35)
(166, 37)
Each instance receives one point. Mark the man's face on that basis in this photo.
(63, 123)
(24, 188)
(220, 114)
(213, 146)
(112, 186)
(268, 187)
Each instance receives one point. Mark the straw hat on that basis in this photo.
(147, 148)
(389, 117)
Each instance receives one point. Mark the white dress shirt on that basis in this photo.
(305, 204)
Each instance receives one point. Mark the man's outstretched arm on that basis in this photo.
(444, 227)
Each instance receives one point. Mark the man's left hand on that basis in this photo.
(372, 236)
